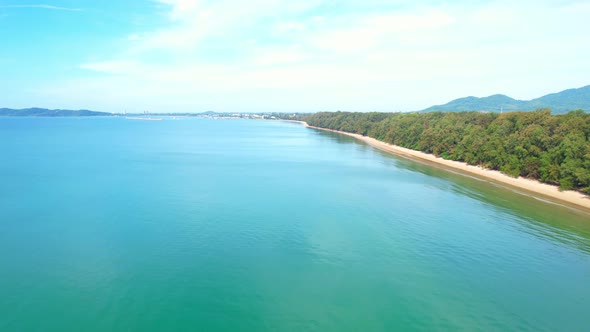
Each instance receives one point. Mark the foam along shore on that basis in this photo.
(526, 186)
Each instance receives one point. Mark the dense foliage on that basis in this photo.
(551, 148)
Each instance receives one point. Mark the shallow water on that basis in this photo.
(200, 224)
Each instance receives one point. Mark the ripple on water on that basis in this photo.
(209, 225)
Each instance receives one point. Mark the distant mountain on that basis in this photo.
(561, 102)
(48, 113)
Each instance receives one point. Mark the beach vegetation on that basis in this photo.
(554, 149)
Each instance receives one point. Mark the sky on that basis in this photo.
(286, 55)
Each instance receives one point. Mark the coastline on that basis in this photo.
(525, 186)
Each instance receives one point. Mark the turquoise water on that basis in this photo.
(109, 224)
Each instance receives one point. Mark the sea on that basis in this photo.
(194, 224)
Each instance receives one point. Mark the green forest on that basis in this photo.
(550, 148)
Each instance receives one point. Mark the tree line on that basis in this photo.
(553, 149)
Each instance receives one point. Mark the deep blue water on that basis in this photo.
(200, 224)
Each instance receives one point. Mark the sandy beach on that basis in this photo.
(525, 186)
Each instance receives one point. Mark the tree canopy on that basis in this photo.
(553, 149)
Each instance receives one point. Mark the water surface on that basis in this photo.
(199, 224)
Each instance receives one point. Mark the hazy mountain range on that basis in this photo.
(561, 102)
(35, 111)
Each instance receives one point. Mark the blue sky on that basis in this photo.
(284, 55)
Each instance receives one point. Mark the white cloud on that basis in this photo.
(42, 6)
(290, 27)
(114, 67)
(268, 51)
(280, 56)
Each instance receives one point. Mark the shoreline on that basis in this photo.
(529, 187)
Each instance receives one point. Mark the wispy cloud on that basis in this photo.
(312, 54)
(43, 6)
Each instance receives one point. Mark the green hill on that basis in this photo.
(559, 103)
(35, 111)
